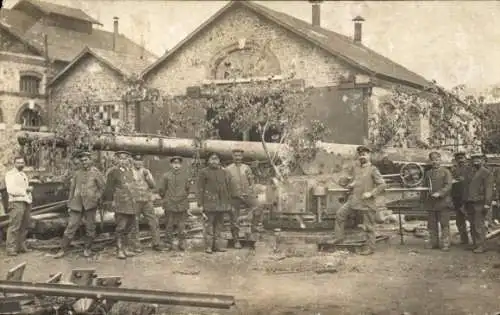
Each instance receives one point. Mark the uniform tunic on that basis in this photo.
(215, 190)
(120, 190)
(174, 189)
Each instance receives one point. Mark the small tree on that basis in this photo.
(451, 114)
(276, 110)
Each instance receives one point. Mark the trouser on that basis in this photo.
(124, 225)
(175, 222)
(213, 227)
(240, 203)
(436, 218)
(368, 222)
(146, 209)
(20, 216)
(461, 221)
(476, 215)
(74, 222)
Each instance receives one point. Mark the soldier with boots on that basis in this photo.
(214, 197)
(144, 185)
(478, 197)
(119, 196)
(459, 172)
(438, 202)
(86, 188)
(366, 184)
(174, 189)
(242, 179)
(19, 208)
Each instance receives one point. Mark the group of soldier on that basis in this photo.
(467, 189)
(128, 189)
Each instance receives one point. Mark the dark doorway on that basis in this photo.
(223, 128)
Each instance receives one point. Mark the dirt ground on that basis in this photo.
(396, 279)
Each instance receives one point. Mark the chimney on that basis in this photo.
(316, 12)
(115, 31)
(358, 28)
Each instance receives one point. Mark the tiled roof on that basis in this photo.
(66, 44)
(337, 44)
(126, 65)
(52, 8)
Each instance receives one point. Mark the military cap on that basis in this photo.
(238, 150)
(477, 155)
(122, 153)
(436, 153)
(175, 158)
(210, 154)
(459, 154)
(363, 149)
(83, 154)
(138, 157)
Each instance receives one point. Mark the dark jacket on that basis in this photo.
(174, 189)
(479, 186)
(86, 189)
(120, 184)
(215, 190)
(440, 181)
(459, 174)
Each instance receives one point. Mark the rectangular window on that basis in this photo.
(30, 84)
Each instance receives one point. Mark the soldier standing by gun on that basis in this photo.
(118, 195)
(459, 173)
(174, 189)
(478, 197)
(214, 197)
(19, 207)
(144, 201)
(438, 203)
(366, 184)
(243, 195)
(87, 186)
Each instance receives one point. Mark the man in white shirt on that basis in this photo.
(20, 199)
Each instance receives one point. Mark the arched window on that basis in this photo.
(30, 84)
(30, 118)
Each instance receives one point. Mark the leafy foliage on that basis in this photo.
(275, 111)
(455, 118)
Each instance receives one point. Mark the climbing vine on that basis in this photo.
(455, 118)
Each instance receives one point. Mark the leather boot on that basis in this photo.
(87, 250)
(181, 245)
(236, 235)
(127, 252)
(64, 248)
(120, 253)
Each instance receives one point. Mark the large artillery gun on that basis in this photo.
(315, 194)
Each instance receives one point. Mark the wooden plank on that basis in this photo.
(350, 246)
(16, 273)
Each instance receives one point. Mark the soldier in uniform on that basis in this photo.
(214, 197)
(366, 184)
(438, 202)
(478, 197)
(119, 196)
(144, 185)
(87, 186)
(459, 173)
(242, 179)
(174, 189)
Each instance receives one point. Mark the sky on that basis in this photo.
(452, 42)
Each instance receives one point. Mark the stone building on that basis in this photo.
(38, 40)
(245, 41)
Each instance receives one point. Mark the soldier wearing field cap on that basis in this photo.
(86, 189)
(143, 193)
(459, 173)
(174, 188)
(214, 197)
(478, 196)
(438, 202)
(119, 196)
(243, 195)
(366, 183)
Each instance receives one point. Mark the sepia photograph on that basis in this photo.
(249, 157)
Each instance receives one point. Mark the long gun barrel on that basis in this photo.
(119, 294)
(185, 147)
